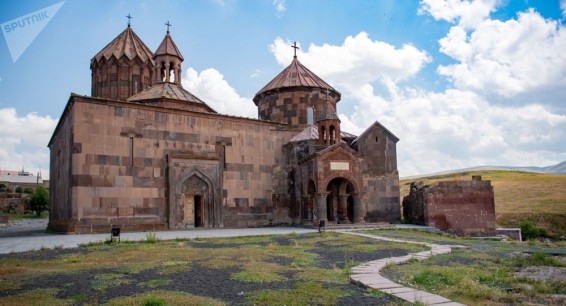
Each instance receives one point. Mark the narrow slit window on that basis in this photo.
(131, 147)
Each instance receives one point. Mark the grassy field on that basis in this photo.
(485, 272)
(262, 270)
(519, 196)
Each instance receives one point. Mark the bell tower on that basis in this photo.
(328, 126)
(168, 61)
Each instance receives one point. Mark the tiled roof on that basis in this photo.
(126, 44)
(165, 90)
(311, 133)
(168, 47)
(295, 75)
(328, 113)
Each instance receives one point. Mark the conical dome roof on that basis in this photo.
(295, 75)
(168, 47)
(126, 44)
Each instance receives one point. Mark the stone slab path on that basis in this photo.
(368, 274)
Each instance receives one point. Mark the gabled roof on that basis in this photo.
(311, 133)
(327, 150)
(295, 75)
(168, 47)
(376, 123)
(167, 90)
(126, 44)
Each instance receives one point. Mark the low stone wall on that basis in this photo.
(462, 207)
(17, 203)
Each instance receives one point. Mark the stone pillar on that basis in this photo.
(358, 208)
(321, 206)
(343, 209)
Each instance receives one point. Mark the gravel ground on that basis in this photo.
(25, 227)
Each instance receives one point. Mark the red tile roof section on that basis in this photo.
(295, 75)
(126, 44)
(168, 47)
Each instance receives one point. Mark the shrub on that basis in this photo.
(19, 189)
(28, 190)
(3, 188)
(39, 201)
(530, 231)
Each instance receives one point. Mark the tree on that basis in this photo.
(28, 190)
(19, 189)
(39, 201)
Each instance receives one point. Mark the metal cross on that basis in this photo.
(327, 92)
(168, 25)
(129, 17)
(294, 46)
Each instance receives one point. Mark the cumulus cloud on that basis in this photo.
(24, 140)
(508, 58)
(457, 127)
(210, 86)
(371, 60)
(280, 6)
(563, 7)
(466, 13)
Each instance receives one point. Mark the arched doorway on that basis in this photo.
(340, 202)
(195, 208)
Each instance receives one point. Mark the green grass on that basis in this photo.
(258, 259)
(475, 277)
(308, 293)
(16, 217)
(519, 196)
(161, 297)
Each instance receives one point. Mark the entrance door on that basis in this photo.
(198, 211)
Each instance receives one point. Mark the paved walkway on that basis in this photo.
(368, 274)
(35, 242)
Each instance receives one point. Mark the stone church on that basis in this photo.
(143, 153)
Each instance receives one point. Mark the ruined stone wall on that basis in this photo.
(463, 207)
(109, 187)
(380, 176)
(60, 192)
(291, 107)
(11, 202)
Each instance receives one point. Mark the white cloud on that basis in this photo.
(465, 12)
(508, 58)
(357, 61)
(563, 7)
(453, 128)
(210, 86)
(24, 141)
(280, 6)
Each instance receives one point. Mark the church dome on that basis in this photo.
(296, 75)
(126, 44)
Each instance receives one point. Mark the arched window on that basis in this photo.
(310, 115)
(332, 131)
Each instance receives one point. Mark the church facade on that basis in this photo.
(143, 153)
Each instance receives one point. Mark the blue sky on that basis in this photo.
(462, 83)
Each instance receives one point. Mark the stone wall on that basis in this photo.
(117, 173)
(462, 207)
(11, 202)
(290, 107)
(380, 176)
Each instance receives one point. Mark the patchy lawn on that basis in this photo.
(291, 269)
(486, 272)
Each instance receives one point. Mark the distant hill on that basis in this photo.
(559, 169)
